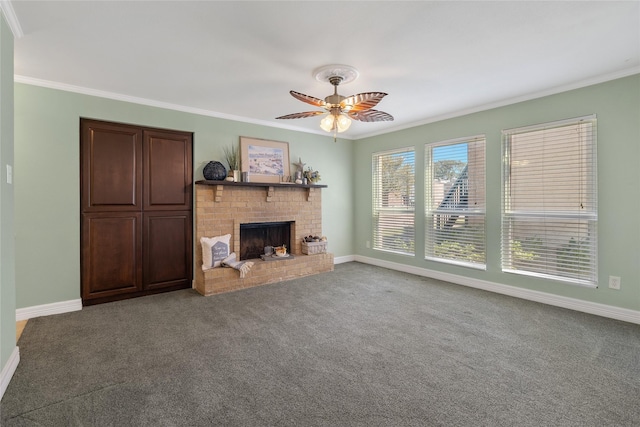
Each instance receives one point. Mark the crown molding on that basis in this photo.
(11, 18)
(152, 103)
(510, 101)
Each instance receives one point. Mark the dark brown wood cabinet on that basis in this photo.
(111, 253)
(136, 209)
(167, 238)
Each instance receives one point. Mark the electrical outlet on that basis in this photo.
(614, 282)
(368, 244)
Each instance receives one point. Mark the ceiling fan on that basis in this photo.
(341, 109)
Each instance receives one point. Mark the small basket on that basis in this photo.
(312, 248)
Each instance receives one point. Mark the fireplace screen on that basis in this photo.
(255, 236)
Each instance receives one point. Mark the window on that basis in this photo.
(549, 206)
(393, 175)
(455, 201)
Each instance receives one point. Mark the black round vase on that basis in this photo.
(214, 171)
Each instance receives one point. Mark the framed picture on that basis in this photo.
(265, 160)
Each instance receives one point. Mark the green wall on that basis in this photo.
(7, 259)
(617, 106)
(47, 186)
(47, 182)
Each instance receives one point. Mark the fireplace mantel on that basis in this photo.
(222, 206)
(259, 184)
(268, 186)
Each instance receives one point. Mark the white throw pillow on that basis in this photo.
(214, 250)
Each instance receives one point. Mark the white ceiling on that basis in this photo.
(239, 59)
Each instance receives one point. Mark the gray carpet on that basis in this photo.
(361, 346)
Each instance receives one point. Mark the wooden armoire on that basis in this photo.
(136, 210)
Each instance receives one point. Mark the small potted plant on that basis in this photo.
(232, 156)
(312, 176)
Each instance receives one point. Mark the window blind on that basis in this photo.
(455, 201)
(549, 206)
(393, 174)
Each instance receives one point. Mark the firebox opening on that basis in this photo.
(255, 236)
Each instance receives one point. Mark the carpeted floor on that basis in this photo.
(361, 346)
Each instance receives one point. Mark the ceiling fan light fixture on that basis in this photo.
(343, 122)
(335, 123)
(328, 123)
(341, 109)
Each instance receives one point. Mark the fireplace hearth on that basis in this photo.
(222, 208)
(255, 236)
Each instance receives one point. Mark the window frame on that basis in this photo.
(587, 219)
(478, 212)
(390, 211)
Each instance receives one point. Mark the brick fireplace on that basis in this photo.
(222, 207)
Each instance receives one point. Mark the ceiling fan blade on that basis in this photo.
(308, 99)
(362, 101)
(370, 116)
(301, 115)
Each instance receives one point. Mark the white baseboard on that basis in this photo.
(48, 309)
(343, 259)
(598, 309)
(8, 370)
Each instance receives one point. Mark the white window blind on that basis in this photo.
(549, 209)
(455, 201)
(393, 174)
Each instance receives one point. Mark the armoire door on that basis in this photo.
(111, 254)
(136, 201)
(167, 238)
(167, 174)
(167, 209)
(111, 168)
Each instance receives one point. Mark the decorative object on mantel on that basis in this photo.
(300, 165)
(265, 160)
(311, 175)
(299, 170)
(341, 109)
(232, 156)
(214, 171)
